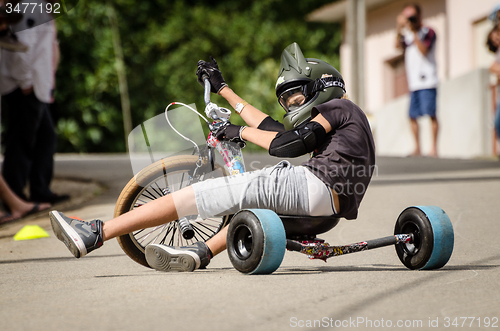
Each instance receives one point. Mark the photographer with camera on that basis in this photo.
(419, 45)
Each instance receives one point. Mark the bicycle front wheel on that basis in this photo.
(159, 179)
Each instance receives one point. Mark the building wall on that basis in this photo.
(457, 54)
(464, 115)
(380, 47)
(462, 14)
(381, 41)
(464, 110)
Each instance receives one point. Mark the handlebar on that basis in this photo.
(207, 89)
(232, 157)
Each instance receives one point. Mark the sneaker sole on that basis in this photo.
(65, 233)
(164, 258)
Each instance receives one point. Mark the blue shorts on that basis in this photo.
(423, 102)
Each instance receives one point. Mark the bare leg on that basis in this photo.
(415, 131)
(217, 243)
(18, 207)
(435, 130)
(154, 213)
(160, 211)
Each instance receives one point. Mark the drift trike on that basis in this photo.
(258, 238)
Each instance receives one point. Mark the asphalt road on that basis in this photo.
(42, 287)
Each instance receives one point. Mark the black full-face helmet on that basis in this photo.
(305, 83)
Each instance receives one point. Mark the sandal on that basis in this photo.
(7, 218)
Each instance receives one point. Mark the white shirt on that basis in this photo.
(421, 71)
(34, 67)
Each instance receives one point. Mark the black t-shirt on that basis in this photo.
(345, 160)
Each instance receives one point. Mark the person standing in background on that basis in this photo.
(493, 44)
(419, 45)
(26, 84)
(8, 39)
(495, 14)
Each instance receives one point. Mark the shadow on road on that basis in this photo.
(56, 259)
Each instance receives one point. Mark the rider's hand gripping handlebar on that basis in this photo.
(211, 109)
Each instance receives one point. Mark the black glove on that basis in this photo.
(229, 132)
(214, 75)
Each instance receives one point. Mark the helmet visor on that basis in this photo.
(292, 98)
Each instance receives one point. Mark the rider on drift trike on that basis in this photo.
(318, 120)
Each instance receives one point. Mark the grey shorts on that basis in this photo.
(281, 188)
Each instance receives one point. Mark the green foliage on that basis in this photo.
(162, 42)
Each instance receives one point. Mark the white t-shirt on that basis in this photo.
(421, 71)
(34, 67)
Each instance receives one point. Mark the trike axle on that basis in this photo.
(319, 249)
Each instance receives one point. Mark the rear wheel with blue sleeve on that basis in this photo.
(256, 241)
(432, 237)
